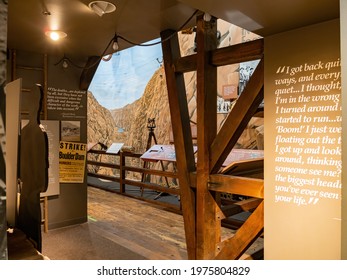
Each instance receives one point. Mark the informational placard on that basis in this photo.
(160, 152)
(68, 102)
(243, 155)
(303, 161)
(72, 161)
(230, 91)
(114, 148)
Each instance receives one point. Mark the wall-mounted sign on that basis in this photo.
(72, 160)
(230, 91)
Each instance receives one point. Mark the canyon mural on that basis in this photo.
(128, 124)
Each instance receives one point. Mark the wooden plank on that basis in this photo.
(238, 53)
(164, 205)
(152, 187)
(249, 204)
(240, 206)
(234, 247)
(186, 64)
(238, 118)
(105, 177)
(121, 173)
(104, 164)
(140, 227)
(237, 185)
(182, 134)
(208, 226)
(151, 171)
(250, 168)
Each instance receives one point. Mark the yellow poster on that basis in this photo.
(72, 160)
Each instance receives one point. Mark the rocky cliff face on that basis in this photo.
(153, 104)
(128, 125)
(101, 126)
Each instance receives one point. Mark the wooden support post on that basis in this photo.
(208, 227)
(121, 172)
(44, 220)
(182, 135)
(234, 247)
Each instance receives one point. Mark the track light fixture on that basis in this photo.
(102, 7)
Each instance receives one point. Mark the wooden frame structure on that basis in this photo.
(201, 183)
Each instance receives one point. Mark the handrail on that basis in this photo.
(119, 164)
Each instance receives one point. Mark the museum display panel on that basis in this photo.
(303, 162)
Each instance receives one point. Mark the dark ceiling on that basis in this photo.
(143, 20)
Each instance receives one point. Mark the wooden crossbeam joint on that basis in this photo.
(235, 246)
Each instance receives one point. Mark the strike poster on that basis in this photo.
(72, 161)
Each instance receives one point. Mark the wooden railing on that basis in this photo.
(124, 177)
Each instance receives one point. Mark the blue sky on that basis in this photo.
(122, 80)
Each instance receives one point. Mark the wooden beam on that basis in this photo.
(238, 53)
(234, 247)
(249, 168)
(237, 185)
(208, 227)
(234, 207)
(238, 118)
(249, 204)
(186, 64)
(182, 136)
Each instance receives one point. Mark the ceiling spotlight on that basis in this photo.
(55, 35)
(102, 7)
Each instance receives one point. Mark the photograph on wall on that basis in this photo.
(72, 161)
(246, 70)
(70, 131)
(223, 106)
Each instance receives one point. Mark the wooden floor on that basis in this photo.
(140, 227)
(120, 227)
(144, 228)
